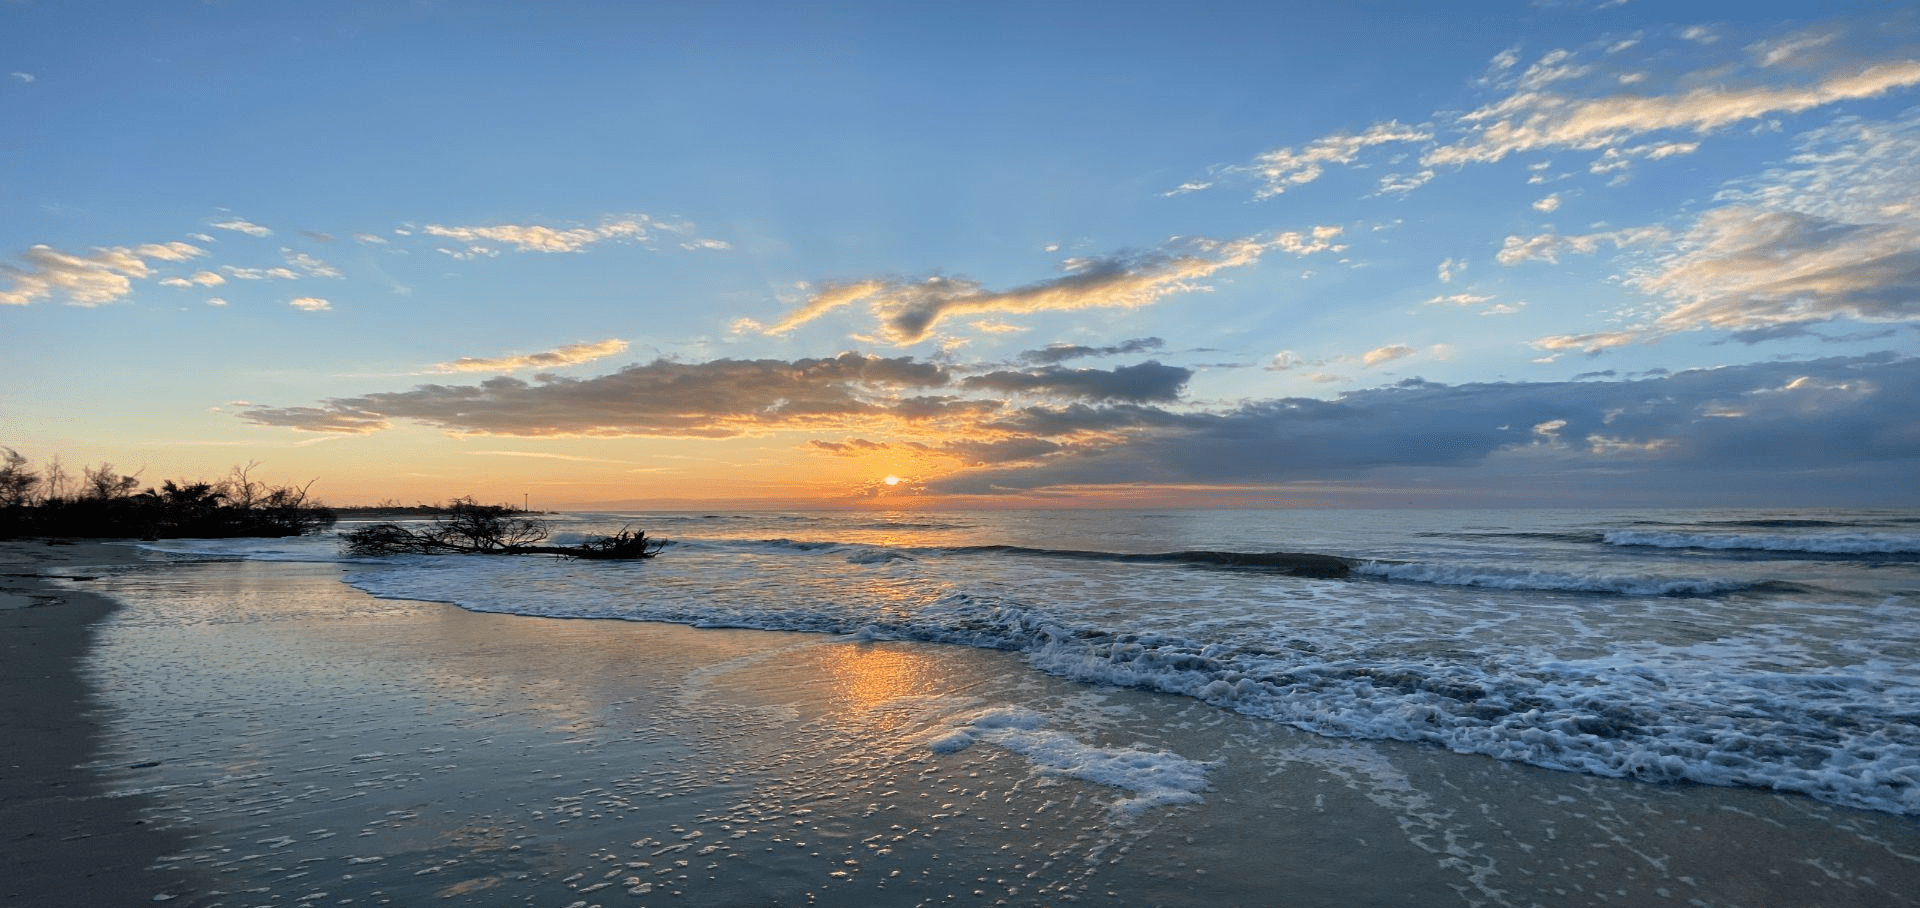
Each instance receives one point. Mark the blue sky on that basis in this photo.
(1006, 253)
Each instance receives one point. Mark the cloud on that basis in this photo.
(1548, 204)
(1283, 168)
(86, 279)
(242, 225)
(1287, 360)
(569, 355)
(198, 278)
(1548, 247)
(1743, 268)
(1773, 423)
(310, 303)
(717, 399)
(539, 238)
(330, 419)
(1447, 268)
(1533, 118)
(28, 78)
(1382, 355)
(1147, 382)
(313, 267)
(1564, 101)
(1834, 236)
(909, 311)
(1788, 49)
(1458, 299)
(852, 447)
(1055, 353)
(260, 274)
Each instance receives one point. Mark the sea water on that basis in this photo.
(1763, 649)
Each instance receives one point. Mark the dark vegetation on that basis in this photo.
(103, 504)
(470, 528)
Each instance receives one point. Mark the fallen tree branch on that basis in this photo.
(470, 528)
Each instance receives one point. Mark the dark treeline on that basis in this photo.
(102, 503)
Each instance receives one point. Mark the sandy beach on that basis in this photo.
(255, 733)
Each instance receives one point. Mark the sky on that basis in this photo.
(982, 254)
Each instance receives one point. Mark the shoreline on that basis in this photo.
(68, 839)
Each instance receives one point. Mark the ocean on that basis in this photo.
(1766, 649)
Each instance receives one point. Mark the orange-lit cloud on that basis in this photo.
(569, 355)
(909, 311)
(1533, 118)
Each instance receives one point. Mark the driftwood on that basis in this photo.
(469, 528)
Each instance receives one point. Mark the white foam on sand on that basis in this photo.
(1155, 778)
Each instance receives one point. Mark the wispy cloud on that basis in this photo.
(1282, 168)
(310, 303)
(242, 225)
(638, 228)
(1608, 100)
(86, 279)
(1834, 236)
(1548, 247)
(542, 455)
(1535, 118)
(568, 355)
(260, 274)
(309, 265)
(908, 311)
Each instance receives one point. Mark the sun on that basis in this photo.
(891, 480)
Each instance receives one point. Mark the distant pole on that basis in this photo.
(523, 502)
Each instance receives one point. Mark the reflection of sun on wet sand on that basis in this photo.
(299, 736)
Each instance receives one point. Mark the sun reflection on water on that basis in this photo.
(870, 677)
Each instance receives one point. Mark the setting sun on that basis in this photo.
(891, 480)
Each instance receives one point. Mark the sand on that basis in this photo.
(63, 840)
(291, 741)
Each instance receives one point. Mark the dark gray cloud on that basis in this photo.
(1822, 415)
(1059, 353)
(1148, 381)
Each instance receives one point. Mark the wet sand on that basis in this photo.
(63, 840)
(293, 741)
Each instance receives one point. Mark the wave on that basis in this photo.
(1897, 544)
(1304, 564)
(1571, 537)
(1718, 711)
(1551, 581)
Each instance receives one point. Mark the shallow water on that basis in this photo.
(321, 747)
(1777, 649)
